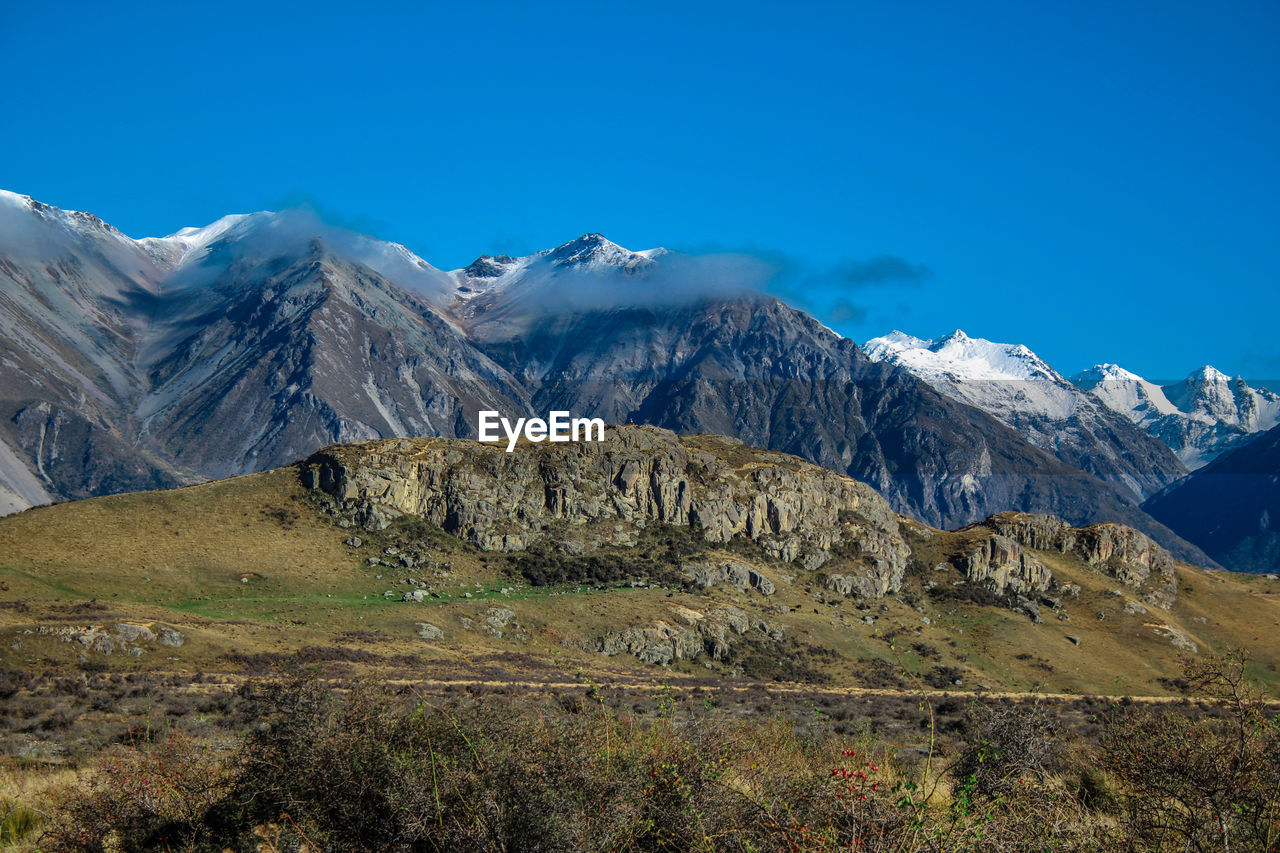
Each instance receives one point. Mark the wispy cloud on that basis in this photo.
(879, 269)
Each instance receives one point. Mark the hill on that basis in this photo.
(645, 554)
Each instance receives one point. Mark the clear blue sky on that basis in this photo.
(1098, 180)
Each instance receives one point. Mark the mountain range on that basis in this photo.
(1200, 417)
(245, 345)
(1023, 392)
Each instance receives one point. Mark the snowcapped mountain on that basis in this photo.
(75, 295)
(958, 357)
(591, 253)
(214, 351)
(498, 296)
(1022, 391)
(250, 342)
(1200, 417)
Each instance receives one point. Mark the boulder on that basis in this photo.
(171, 637)
(131, 632)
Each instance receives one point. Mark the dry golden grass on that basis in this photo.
(178, 558)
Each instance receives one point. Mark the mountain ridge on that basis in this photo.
(273, 334)
(1199, 417)
(1022, 391)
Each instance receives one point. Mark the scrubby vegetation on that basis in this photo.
(656, 557)
(373, 768)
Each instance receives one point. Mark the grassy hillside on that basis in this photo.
(251, 570)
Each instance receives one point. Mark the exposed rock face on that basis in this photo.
(730, 573)
(1002, 565)
(1120, 552)
(1042, 532)
(590, 494)
(686, 636)
(131, 638)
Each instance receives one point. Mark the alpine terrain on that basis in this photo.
(1200, 417)
(1231, 506)
(247, 344)
(1023, 392)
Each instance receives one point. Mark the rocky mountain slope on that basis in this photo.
(578, 498)
(697, 554)
(1200, 417)
(248, 343)
(1023, 392)
(1231, 506)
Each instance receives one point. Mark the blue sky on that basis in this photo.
(1099, 181)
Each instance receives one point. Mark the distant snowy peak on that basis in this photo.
(1210, 393)
(91, 255)
(593, 251)
(1019, 389)
(1200, 417)
(959, 357)
(193, 256)
(1206, 395)
(490, 266)
(592, 254)
(1125, 392)
(12, 204)
(190, 243)
(1104, 373)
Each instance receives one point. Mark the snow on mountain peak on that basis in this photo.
(194, 256)
(1209, 373)
(1199, 417)
(12, 199)
(1014, 385)
(958, 357)
(72, 221)
(1104, 373)
(595, 251)
(191, 243)
(490, 266)
(591, 254)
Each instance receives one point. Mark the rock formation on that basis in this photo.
(592, 494)
(1121, 552)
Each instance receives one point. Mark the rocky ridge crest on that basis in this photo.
(592, 494)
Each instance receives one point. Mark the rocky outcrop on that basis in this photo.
(687, 635)
(1042, 532)
(732, 573)
(1121, 552)
(590, 494)
(132, 638)
(1003, 566)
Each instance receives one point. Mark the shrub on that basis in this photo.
(371, 771)
(1200, 783)
(1008, 745)
(142, 799)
